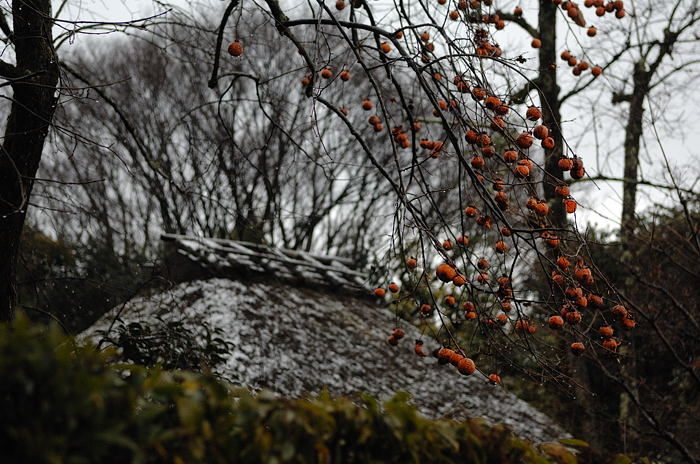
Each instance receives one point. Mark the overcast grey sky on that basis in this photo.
(110, 10)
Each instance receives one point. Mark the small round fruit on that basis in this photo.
(606, 331)
(510, 156)
(418, 349)
(541, 209)
(524, 140)
(466, 366)
(540, 132)
(596, 301)
(578, 348)
(573, 317)
(501, 247)
(235, 48)
(558, 278)
(562, 191)
(610, 344)
(556, 322)
(619, 312)
(445, 272)
(444, 354)
(533, 113)
(521, 171)
(565, 164)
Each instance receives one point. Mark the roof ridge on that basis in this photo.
(222, 256)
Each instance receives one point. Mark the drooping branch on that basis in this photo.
(219, 39)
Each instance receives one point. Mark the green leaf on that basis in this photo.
(574, 442)
(559, 453)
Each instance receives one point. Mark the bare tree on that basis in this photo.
(247, 163)
(659, 53)
(34, 80)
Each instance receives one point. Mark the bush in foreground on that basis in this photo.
(65, 403)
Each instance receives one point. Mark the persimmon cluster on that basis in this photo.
(442, 110)
(502, 144)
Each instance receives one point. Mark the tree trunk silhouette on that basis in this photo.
(633, 135)
(550, 100)
(549, 89)
(33, 80)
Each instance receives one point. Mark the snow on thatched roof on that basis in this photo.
(296, 340)
(218, 257)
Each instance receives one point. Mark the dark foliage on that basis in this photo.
(63, 403)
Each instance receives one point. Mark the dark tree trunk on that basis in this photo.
(629, 416)
(33, 106)
(549, 99)
(633, 135)
(548, 88)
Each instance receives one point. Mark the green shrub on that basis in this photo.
(170, 344)
(65, 403)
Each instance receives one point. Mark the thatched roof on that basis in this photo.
(295, 339)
